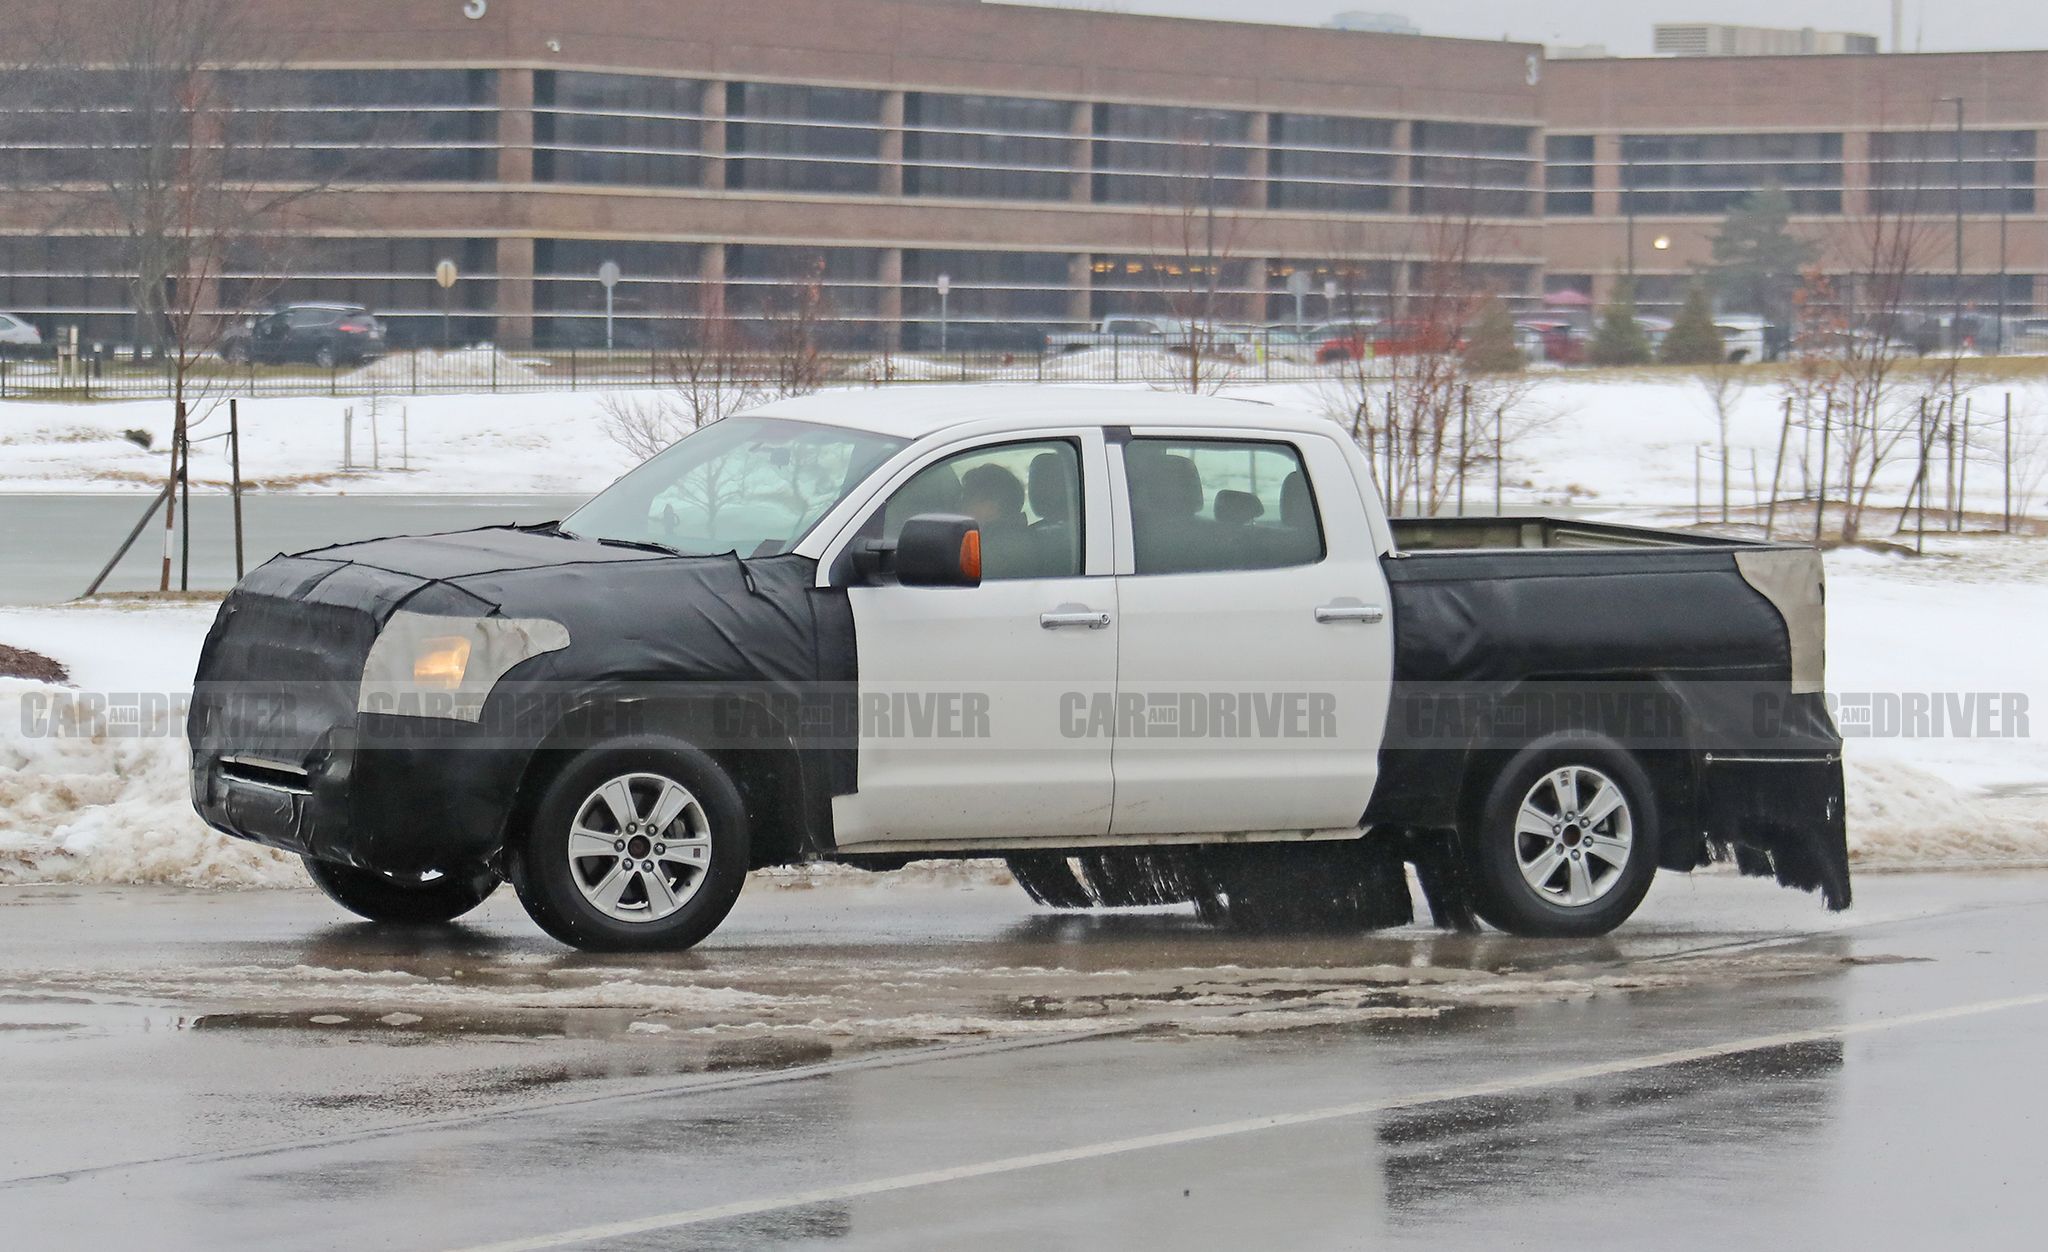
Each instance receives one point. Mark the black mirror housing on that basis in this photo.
(939, 550)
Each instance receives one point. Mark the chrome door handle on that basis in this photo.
(1091, 619)
(1350, 613)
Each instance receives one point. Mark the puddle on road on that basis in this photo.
(750, 1013)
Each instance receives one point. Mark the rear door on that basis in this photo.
(1256, 647)
(967, 695)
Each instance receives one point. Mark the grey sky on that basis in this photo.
(1624, 25)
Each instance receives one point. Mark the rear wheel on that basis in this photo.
(634, 848)
(326, 359)
(394, 898)
(1566, 843)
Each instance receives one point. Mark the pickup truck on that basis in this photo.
(1163, 334)
(1151, 649)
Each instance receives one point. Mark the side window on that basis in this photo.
(1027, 497)
(1208, 505)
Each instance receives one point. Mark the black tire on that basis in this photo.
(383, 898)
(326, 358)
(553, 888)
(1505, 896)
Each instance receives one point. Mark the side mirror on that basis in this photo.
(934, 550)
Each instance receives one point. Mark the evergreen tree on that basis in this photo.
(1757, 258)
(1492, 348)
(1620, 339)
(1694, 339)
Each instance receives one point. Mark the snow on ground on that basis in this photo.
(114, 808)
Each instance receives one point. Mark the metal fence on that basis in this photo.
(507, 368)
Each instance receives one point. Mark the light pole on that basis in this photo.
(608, 278)
(1955, 331)
(1628, 204)
(2004, 233)
(945, 286)
(446, 275)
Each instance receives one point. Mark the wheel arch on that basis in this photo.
(776, 786)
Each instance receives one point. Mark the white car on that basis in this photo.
(16, 332)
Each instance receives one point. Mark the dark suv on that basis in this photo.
(326, 335)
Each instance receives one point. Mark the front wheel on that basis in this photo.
(389, 898)
(1566, 843)
(634, 848)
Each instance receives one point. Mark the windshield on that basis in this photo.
(751, 485)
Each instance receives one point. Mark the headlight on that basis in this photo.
(427, 666)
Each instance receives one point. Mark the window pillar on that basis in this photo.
(1080, 288)
(889, 308)
(1857, 173)
(515, 290)
(1607, 176)
(1404, 168)
(889, 180)
(515, 127)
(713, 141)
(1082, 126)
(1257, 161)
(711, 276)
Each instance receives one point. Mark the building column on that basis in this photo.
(515, 290)
(515, 166)
(711, 273)
(515, 126)
(712, 138)
(1258, 166)
(1082, 186)
(1607, 176)
(1857, 173)
(891, 179)
(889, 308)
(1080, 288)
(1404, 168)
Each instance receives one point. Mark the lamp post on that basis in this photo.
(945, 286)
(608, 278)
(1955, 330)
(2004, 233)
(446, 275)
(1628, 204)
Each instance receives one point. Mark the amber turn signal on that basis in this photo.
(970, 555)
(441, 663)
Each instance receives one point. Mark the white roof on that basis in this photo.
(915, 411)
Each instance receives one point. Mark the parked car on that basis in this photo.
(1343, 341)
(1558, 340)
(1165, 334)
(1175, 637)
(1111, 331)
(1748, 338)
(326, 335)
(18, 336)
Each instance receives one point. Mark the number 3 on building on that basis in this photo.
(1535, 62)
(475, 9)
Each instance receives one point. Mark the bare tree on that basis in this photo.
(160, 157)
(1426, 420)
(1194, 239)
(1857, 351)
(708, 380)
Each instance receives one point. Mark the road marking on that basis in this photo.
(1242, 1126)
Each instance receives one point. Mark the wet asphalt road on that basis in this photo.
(942, 1067)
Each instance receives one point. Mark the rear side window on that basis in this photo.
(1027, 497)
(1203, 506)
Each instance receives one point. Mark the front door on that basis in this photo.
(1256, 647)
(966, 693)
